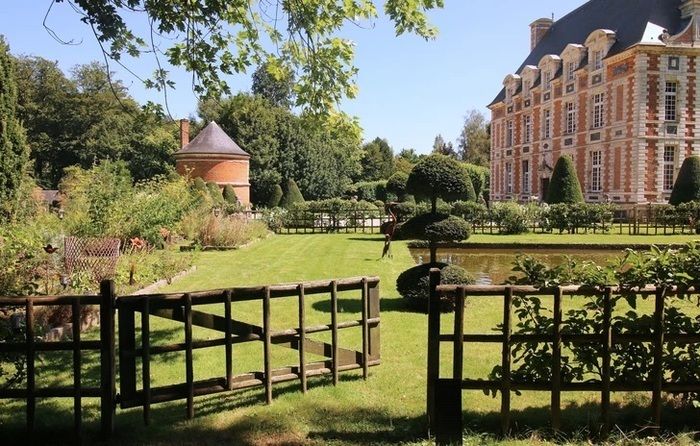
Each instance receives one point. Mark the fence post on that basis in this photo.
(658, 367)
(433, 345)
(556, 361)
(107, 357)
(374, 343)
(506, 361)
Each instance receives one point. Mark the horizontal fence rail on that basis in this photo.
(186, 308)
(444, 400)
(312, 222)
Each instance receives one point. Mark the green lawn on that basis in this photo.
(387, 409)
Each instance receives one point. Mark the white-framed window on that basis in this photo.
(597, 60)
(509, 177)
(598, 110)
(525, 173)
(509, 133)
(570, 71)
(671, 101)
(527, 129)
(547, 80)
(596, 171)
(669, 168)
(547, 124)
(570, 120)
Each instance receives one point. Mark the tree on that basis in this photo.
(687, 185)
(443, 148)
(405, 160)
(229, 195)
(220, 38)
(276, 197)
(439, 176)
(292, 194)
(274, 84)
(396, 184)
(14, 150)
(474, 143)
(377, 161)
(479, 177)
(564, 186)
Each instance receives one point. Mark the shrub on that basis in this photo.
(439, 176)
(564, 186)
(687, 185)
(414, 285)
(215, 193)
(292, 194)
(275, 197)
(404, 210)
(396, 184)
(434, 228)
(424, 207)
(574, 216)
(369, 190)
(230, 195)
(510, 217)
(275, 218)
(207, 229)
(479, 177)
(199, 184)
(470, 211)
(379, 204)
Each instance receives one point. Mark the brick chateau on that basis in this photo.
(614, 84)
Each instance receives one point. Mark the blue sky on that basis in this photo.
(410, 89)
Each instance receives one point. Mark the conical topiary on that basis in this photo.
(292, 194)
(199, 184)
(275, 197)
(230, 195)
(215, 192)
(687, 185)
(564, 186)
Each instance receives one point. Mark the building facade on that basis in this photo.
(614, 85)
(213, 156)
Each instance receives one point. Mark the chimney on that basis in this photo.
(184, 132)
(538, 29)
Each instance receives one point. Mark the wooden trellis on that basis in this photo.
(96, 256)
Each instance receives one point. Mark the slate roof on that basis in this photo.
(212, 140)
(627, 18)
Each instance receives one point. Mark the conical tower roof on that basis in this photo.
(212, 140)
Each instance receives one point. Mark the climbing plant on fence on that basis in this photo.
(577, 327)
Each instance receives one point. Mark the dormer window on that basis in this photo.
(570, 71)
(547, 81)
(597, 60)
(526, 88)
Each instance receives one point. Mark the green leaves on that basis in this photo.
(219, 37)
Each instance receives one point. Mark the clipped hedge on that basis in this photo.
(439, 176)
(292, 195)
(564, 186)
(687, 185)
(470, 211)
(414, 285)
(369, 191)
(434, 228)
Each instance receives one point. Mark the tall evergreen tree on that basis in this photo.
(14, 150)
(564, 186)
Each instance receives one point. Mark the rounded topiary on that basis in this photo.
(564, 186)
(439, 176)
(230, 195)
(414, 284)
(434, 228)
(687, 185)
(199, 184)
(215, 192)
(275, 196)
(396, 184)
(292, 194)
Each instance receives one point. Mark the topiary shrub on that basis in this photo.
(230, 195)
(434, 228)
(564, 186)
(687, 185)
(275, 197)
(414, 285)
(199, 184)
(215, 192)
(439, 176)
(396, 184)
(478, 176)
(470, 211)
(510, 217)
(292, 194)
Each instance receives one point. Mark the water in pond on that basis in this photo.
(493, 266)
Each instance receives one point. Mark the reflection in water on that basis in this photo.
(493, 266)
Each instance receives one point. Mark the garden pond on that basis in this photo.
(493, 266)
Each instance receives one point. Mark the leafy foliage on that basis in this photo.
(377, 162)
(479, 177)
(229, 195)
(687, 185)
(474, 143)
(564, 186)
(632, 362)
(292, 194)
(396, 184)
(14, 150)
(275, 197)
(434, 228)
(414, 284)
(510, 217)
(274, 83)
(438, 176)
(217, 39)
(369, 190)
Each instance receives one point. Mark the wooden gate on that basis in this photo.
(181, 308)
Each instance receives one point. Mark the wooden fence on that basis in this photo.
(444, 395)
(180, 308)
(313, 222)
